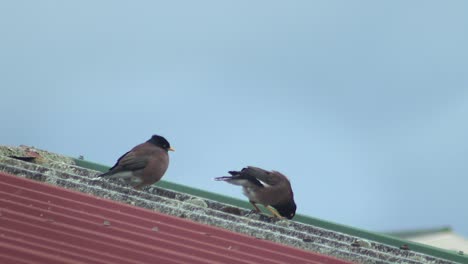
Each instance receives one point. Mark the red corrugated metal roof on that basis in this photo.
(40, 223)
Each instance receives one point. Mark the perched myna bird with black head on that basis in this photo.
(270, 188)
(144, 164)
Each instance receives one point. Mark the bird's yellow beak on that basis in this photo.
(171, 149)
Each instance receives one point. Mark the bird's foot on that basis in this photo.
(275, 213)
(277, 218)
(253, 212)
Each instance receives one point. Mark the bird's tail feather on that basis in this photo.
(224, 178)
(103, 174)
(99, 176)
(234, 173)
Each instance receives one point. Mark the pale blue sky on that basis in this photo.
(363, 104)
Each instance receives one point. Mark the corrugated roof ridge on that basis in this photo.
(28, 236)
(22, 221)
(76, 254)
(383, 238)
(22, 213)
(82, 225)
(167, 208)
(39, 256)
(380, 237)
(62, 176)
(126, 190)
(132, 224)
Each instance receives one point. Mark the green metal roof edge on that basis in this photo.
(419, 232)
(378, 237)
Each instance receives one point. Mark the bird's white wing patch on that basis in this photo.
(241, 182)
(264, 183)
(122, 174)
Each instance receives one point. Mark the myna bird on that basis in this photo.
(144, 164)
(270, 188)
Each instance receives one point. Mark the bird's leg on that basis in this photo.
(257, 210)
(274, 212)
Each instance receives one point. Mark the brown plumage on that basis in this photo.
(144, 164)
(270, 188)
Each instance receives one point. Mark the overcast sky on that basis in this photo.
(363, 104)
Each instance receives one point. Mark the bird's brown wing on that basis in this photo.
(131, 161)
(118, 161)
(269, 177)
(128, 162)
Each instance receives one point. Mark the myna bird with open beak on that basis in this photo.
(144, 164)
(270, 188)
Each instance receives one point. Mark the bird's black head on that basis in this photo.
(160, 142)
(286, 210)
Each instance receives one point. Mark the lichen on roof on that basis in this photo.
(38, 156)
